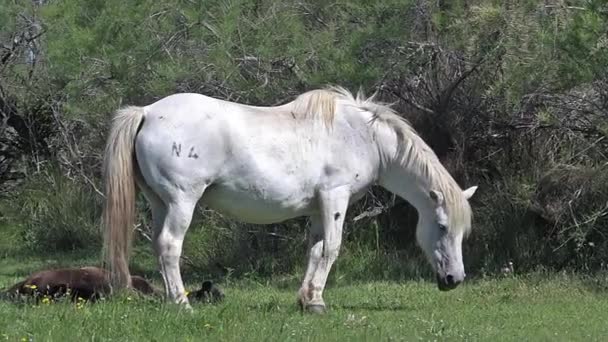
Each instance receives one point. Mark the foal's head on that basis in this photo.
(440, 233)
(142, 285)
(209, 293)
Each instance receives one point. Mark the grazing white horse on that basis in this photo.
(311, 157)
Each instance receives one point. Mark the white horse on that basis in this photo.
(311, 157)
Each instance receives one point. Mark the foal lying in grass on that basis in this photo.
(91, 283)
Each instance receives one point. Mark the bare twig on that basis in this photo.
(412, 103)
(369, 213)
(275, 235)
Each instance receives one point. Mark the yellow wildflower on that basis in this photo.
(80, 302)
(33, 287)
(187, 293)
(46, 300)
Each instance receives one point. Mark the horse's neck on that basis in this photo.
(398, 179)
(408, 186)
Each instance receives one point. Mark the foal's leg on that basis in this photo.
(333, 204)
(168, 243)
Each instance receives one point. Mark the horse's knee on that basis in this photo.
(316, 252)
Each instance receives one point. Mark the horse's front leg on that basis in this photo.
(315, 252)
(168, 243)
(333, 204)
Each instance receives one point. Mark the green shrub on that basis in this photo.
(56, 213)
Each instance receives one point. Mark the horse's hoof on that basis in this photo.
(317, 309)
(187, 308)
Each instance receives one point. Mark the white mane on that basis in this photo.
(412, 153)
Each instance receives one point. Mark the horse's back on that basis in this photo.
(259, 164)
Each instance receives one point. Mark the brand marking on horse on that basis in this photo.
(177, 149)
(192, 154)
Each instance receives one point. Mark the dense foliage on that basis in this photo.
(512, 96)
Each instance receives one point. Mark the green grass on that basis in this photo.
(534, 307)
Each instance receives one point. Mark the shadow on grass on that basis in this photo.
(373, 307)
(271, 306)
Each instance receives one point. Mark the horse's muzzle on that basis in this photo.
(448, 282)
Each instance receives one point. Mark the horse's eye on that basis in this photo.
(443, 228)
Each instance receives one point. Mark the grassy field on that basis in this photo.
(534, 307)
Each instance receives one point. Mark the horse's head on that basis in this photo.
(440, 233)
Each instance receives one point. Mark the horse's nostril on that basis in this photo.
(450, 279)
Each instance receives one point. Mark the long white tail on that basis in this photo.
(119, 175)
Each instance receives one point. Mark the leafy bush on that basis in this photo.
(56, 213)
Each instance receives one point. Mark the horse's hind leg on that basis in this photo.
(159, 213)
(170, 221)
(173, 200)
(168, 242)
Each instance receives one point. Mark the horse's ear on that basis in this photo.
(437, 197)
(468, 193)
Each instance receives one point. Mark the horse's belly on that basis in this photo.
(252, 207)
